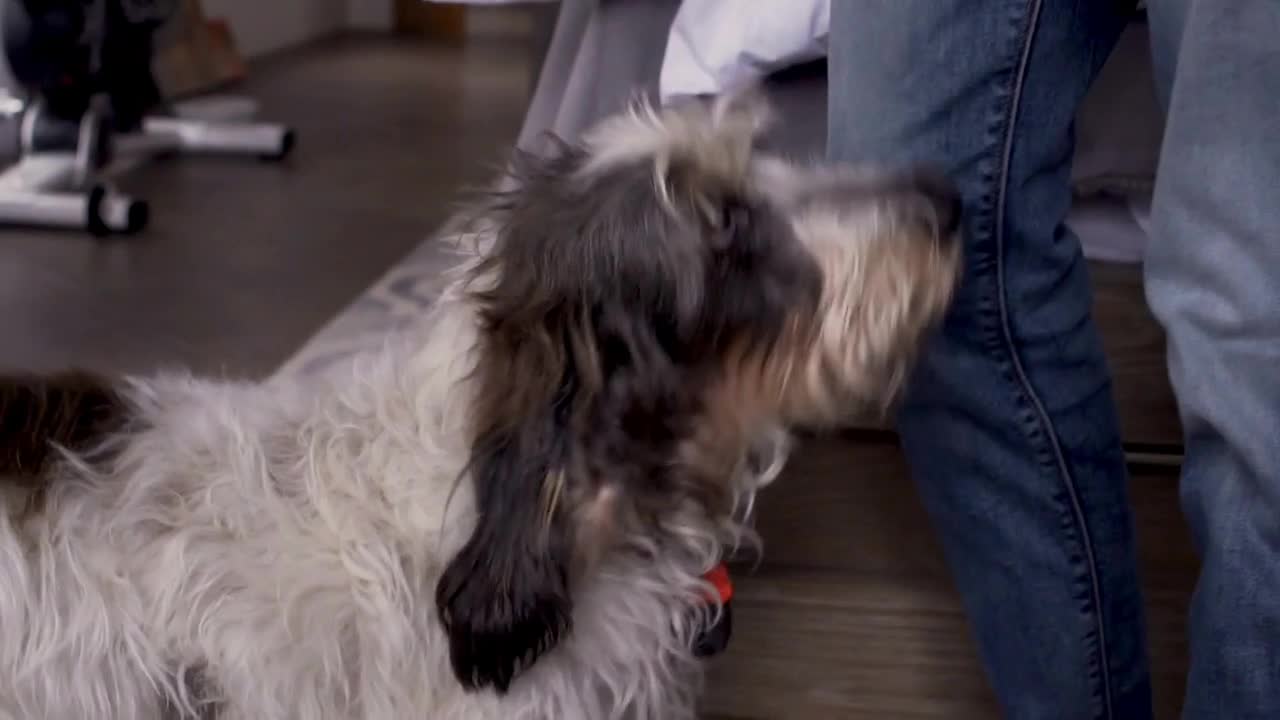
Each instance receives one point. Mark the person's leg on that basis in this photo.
(1213, 281)
(1009, 425)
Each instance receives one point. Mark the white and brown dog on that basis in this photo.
(504, 514)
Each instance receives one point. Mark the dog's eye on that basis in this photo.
(734, 219)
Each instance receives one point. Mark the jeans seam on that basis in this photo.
(1020, 375)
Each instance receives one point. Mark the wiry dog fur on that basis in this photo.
(506, 512)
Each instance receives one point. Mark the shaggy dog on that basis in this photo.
(506, 513)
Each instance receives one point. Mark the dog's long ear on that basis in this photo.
(504, 598)
(550, 471)
(575, 400)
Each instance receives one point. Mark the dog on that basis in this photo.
(506, 512)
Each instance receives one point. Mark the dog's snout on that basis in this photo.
(944, 200)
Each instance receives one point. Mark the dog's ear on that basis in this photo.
(504, 598)
(550, 470)
(578, 402)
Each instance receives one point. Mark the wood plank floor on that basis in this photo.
(1135, 349)
(244, 261)
(851, 613)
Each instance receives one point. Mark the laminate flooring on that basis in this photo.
(244, 260)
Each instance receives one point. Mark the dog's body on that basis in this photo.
(280, 546)
(504, 513)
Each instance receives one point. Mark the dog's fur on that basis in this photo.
(506, 512)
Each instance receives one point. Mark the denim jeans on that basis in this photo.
(1010, 426)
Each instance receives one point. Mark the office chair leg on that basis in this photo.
(268, 141)
(100, 211)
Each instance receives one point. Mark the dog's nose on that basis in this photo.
(944, 199)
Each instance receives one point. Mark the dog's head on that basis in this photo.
(657, 301)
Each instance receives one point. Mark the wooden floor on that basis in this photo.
(245, 260)
(852, 613)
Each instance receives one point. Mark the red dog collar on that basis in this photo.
(719, 579)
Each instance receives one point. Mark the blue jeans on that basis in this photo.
(1010, 426)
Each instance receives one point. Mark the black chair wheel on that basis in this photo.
(287, 142)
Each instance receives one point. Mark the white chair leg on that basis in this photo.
(264, 140)
(59, 180)
(99, 211)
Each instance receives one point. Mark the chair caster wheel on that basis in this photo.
(113, 214)
(287, 141)
(138, 216)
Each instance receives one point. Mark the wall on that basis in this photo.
(370, 14)
(499, 21)
(264, 26)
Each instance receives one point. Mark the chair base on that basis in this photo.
(62, 177)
